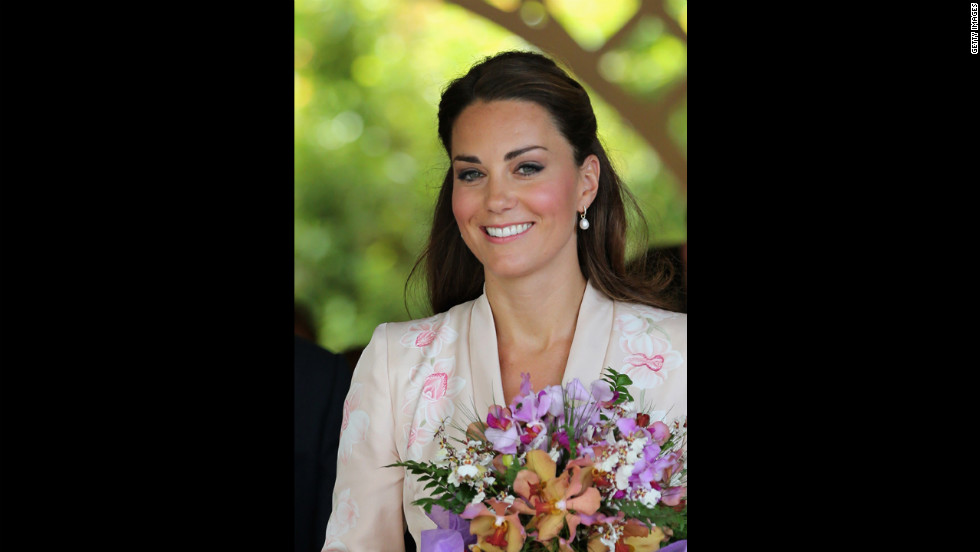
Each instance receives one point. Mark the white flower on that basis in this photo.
(440, 455)
(609, 538)
(623, 474)
(649, 497)
(554, 453)
(609, 463)
(635, 450)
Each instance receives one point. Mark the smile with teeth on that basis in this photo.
(507, 230)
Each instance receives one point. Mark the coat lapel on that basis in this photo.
(488, 388)
(593, 332)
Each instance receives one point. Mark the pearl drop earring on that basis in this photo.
(583, 222)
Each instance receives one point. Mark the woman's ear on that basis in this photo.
(589, 180)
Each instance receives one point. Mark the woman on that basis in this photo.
(526, 271)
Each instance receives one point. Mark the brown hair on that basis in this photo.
(454, 275)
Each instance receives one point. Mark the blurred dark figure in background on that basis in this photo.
(669, 263)
(321, 381)
(303, 322)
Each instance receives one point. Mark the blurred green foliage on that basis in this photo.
(368, 162)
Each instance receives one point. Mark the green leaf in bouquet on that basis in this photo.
(660, 515)
(511, 474)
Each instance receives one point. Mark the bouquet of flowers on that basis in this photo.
(564, 469)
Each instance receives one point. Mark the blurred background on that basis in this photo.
(368, 162)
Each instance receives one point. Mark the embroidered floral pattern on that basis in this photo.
(416, 438)
(353, 428)
(649, 355)
(342, 519)
(430, 335)
(434, 388)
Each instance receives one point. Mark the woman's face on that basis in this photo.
(517, 189)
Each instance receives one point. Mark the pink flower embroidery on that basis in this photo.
(430, 335)
(416, 439)
(354, 426)
(343, 518)
(431, 390)
(648, 360)
(434, 386)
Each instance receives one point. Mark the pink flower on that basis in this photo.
(343, 518)
(649, 359)
(660, 432)
(432, 389)
(430, 335)
(434, 386)
(501, 430)
(672, 496)
(355, 423)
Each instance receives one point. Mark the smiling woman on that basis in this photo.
(368, 79)
(516, 210)
(523, 293)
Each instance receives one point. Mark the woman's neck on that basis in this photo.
(532, 314)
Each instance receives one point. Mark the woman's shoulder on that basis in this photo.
(656, 314)
(630, 316)
(429, 333)
(445, 318)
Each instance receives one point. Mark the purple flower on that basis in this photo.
(602, 392)
(628, 426)
(562, 438)
(574, 391)
(501, 430)
(532, 407)
(504, 440)
(663, 467)
(498, 417)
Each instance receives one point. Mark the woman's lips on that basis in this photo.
(507, 231)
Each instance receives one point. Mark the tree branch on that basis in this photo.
(648, 119)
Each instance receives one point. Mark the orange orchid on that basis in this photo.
(633, 537)
(555, 500)
(497, 530)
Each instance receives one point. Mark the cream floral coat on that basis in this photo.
(414, 374)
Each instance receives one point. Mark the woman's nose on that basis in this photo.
(500, 195)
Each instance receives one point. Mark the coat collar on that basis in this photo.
(593, 330)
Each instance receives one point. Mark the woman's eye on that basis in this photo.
(468, 175)
(528, 169)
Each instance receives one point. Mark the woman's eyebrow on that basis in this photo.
(517, 152)
(508, 157)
